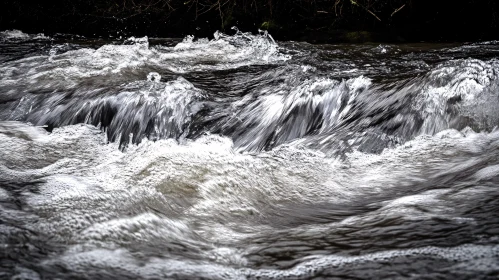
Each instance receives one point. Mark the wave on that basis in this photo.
(70, 68)
(17, 36)
(284, 103)
(199, 203)
(151, 109)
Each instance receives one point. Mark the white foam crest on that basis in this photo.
(314, 265)
(108, 59)
(464, 81)
(143, 227)
(410, 207)
(383, 49)
(69, 69)
(210, 171)
(16, 166)
(27, 132)
(4, 195)
(465, 78)
(17, 35)
(488, 172)
(144, 108)
(223, 52)
(149, 228)
(206, 172)
(216, 181)
(290, 111)
(172, 104)
(421, 159)
(14, 34)
(473, 257)
(123, 260)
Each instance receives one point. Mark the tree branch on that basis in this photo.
(397, 10)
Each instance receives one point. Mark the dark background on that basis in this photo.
(313, 21)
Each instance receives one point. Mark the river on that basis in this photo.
(245, 158)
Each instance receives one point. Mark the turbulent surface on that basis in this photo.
(243, 158)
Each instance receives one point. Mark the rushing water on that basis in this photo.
(243, 158)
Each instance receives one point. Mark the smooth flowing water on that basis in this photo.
(243, 158)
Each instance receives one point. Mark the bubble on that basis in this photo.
(153, 77)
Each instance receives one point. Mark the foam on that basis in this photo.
(470, 257)
(466, 81)
(223, 52)
(310, 268)
(269, 116)
(184, 208)
(17, 35)
(4, 195)
(68, 69)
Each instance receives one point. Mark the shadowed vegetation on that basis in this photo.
(311, 20)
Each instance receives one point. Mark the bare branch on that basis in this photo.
(367, 10)
(397, 10)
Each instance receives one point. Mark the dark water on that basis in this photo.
(243, 158)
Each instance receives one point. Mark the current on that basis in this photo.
(241, 157)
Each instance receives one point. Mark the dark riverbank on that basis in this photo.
(313, 21)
